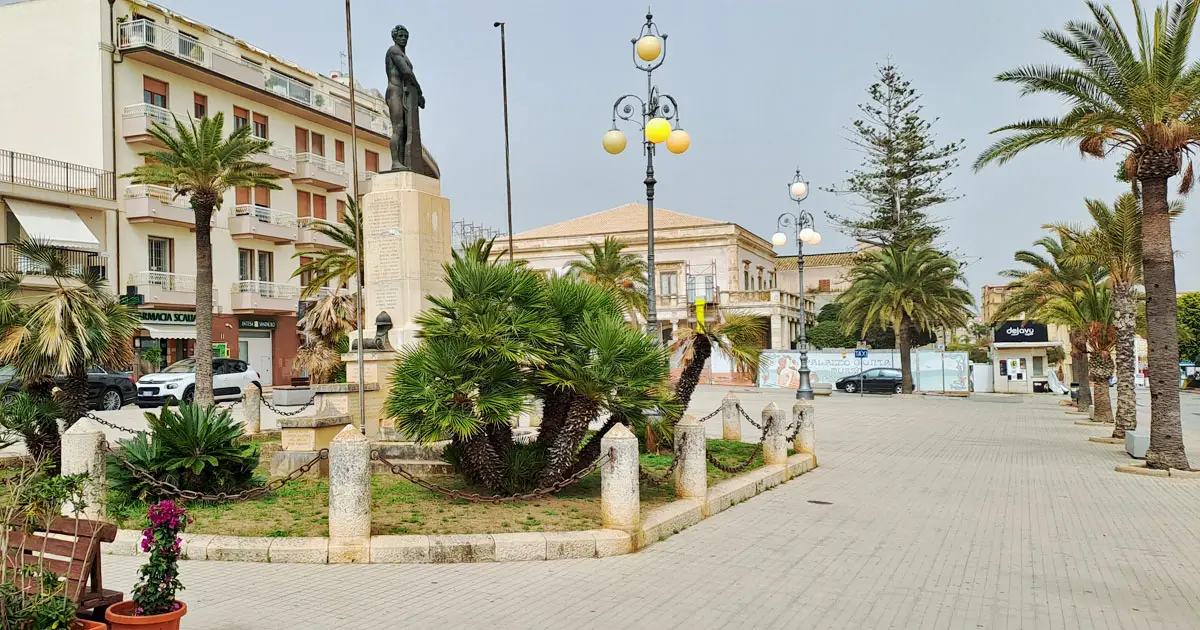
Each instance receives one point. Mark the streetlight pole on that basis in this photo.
(507, 168)
(802, 224)
(658, 120)
(358, 234)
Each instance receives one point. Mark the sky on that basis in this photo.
(764, 87)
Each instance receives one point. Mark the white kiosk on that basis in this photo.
(1019, 356)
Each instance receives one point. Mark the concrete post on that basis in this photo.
(620, 494)
(349, 496)
(775, 444)
(731, 420)
(691, 469)
(83, 452)
(804, 413)
(252, 409)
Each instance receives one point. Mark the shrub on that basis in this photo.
(33, 420)
(158, 579)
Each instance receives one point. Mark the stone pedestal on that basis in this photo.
(349, 497)
(775, 444)
(342, 399)
(620, 492)
(82, 452)
(251, 409)
(302, 438)
(806, 437)
(691, 471)
(731, 420)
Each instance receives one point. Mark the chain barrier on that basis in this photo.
(473, 497)
(174, 491)
(288, 414)
(97, 419)
(733, 470)
(748, 418)
(714, 412)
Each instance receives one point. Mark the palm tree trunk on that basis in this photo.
(483, 464)
(702, 350)
(904, 341)
(1101, 371)
(561, 453)
(1079, 369)
(591, 450)
(1158, 269)
(75, 395)
(1123, 316)
(203, 208)
(555, 405)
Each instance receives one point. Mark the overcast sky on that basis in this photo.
(764, 86)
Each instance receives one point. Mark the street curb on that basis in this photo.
(1139, 468)
(1087, 423)
(1106, 440)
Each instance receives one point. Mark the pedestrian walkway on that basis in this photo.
(925, 513)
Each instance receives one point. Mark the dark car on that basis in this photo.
(108, 390)
(879, 380)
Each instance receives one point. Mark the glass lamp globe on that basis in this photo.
(657, 130)
(799, 190)
(779, 239)
(649, 48)
(806, 235)
(678, 141)
(614, 141)
(816, 239)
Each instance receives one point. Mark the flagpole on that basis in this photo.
(358, 236)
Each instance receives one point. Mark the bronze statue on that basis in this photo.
(405, 101)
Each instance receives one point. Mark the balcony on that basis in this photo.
(763, 301)
(137, 119)
(253, 296)
(313, 238)
(143, 34)
(302, 93)
(33, 171)
(159, 288)
(158, 204)
(317, 170)
(251, 221)
(34, 273)
(279, 160)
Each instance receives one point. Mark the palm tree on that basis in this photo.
(605, 265)
(1090, 310)
(737, 335)
(915, 288)
(200, 161)
(1138, 98)
(327, 321)
(338, 266)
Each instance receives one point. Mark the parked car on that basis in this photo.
(878, 380)
(177, 383)
(108, 390)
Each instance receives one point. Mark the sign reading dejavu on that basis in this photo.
(1016, 331)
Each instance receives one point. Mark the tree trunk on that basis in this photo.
(75, 395)
(904, 341)
(483, 464)
(591, 450)
(501, 438)
(1123, 316)
(203, 204)
(560, 454)
(1158, 269)
(1101, 370)
(555, 405)
(690, 376)
(1079, 369)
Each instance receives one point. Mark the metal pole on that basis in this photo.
(651, 305)
(507, 167)
(358, 240)
(804, 392)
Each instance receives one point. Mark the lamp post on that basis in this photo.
(802, 224)
(658, 119)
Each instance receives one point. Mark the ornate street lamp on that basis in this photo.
(658, 120)
(802, 224)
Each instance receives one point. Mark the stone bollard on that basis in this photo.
(775, 444)
(83, 452)
(349, 497)
(620, 494)
(691, 469)
(731, 420)
(806, 438)
(252, 409)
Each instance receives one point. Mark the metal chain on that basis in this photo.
(193, 495)
(714, 412)
(287, 414)
(748, 418)
(397, 469)
(654, 480)
(719, 465)
(93, 417)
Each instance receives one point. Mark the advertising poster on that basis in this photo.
(932, 371)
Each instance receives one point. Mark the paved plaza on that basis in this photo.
(990, 512)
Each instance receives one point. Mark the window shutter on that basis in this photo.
(302, 203)
(319, 206)
(243, 195)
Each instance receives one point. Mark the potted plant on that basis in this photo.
(154, 606)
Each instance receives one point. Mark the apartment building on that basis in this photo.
(85, 81)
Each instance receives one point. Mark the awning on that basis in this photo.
(169, 332)
(55, 225)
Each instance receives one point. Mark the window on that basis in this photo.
(668, 283)
(306, 277)
(262, 197)
(339, 151)
(1039, 368)
(252, 62)
(318, 144)
(318, 208)
(154, 92)
(823, 285)
(260, 126)
(241, 117)
(700, 287)
(372, 161)
(201, 105)
(245, 264)
(303, 203)
(341, 211)
(301, 140)
(161, 256)
(760, 278)
(266, 267)
(242, 196)
(745, 279)
(772, 276)
(873, 374)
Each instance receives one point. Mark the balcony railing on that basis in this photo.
(322, 162)
(179, 282)
(153, 112)
(325, 292)
(78, 261)
(281, 152)
(264, 214)
(304, 93)
(267, 289)
(161, 193)
(47, 174)
(310, 222)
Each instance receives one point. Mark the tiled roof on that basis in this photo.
(834, 259)
(630, 217)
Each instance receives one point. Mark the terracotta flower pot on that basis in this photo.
(120, 617)
(85, 624)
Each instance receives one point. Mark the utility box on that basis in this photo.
(1136, 442)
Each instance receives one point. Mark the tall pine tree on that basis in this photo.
(903, 169)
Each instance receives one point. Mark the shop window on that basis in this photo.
(1039, 368)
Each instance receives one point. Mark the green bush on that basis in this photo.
(195, 448)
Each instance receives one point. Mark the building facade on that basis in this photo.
(825, 275)
(125, 66)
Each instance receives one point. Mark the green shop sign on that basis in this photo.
(168, 317)
(256, 324)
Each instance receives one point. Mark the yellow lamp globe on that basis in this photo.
(649, 48)
(678, 141)
(657, 130)
(614, 141)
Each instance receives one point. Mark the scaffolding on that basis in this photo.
(463, 233)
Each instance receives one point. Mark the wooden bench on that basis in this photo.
(70, 549)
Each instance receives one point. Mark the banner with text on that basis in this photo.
(932, 371)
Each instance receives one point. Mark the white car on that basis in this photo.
(178, 382)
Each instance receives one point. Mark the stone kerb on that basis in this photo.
(731, 421)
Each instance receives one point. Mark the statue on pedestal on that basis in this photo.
(405, 101)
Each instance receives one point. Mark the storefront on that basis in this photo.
(1019, 357)
(165, 337)
(267, 342)
(255, 345)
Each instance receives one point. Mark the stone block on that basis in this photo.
(194, 546)
(399, 549)
(128, 542)
(729, 492)
(349, 550)
(800, 463)
(287, 396)
(1106, 439)
(612, 542)
(561, 545)
(822, 389)
(303, 550)
(284, 462)
(311, 433)
(520, 546)
(620, 486)
(462, 548)
(772, 476)
(83, 453)
(238, 548)
(668, 520)
(1137, 442)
